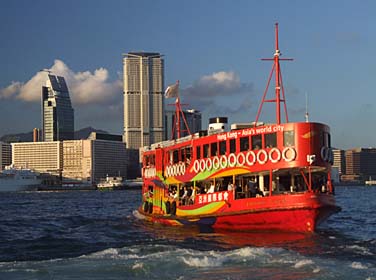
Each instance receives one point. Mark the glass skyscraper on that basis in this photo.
(57, 111)
(143, 99)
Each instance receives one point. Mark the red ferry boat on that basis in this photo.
(249, 177)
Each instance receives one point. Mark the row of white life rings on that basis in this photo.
(250, 158)
(150, 172)
(175, 170)
(327, 154)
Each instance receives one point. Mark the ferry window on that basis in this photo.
(188, 152)
(206, 150)
(182, 153)
(232, 145)
(244, 144)
(256, 142)
(152, 160)
(198, 152)
(288, 138)
(222, 147)
(176, 156)
(213, 149)
(271, 140)
(146, 160)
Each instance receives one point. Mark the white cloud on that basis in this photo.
(84, 87)
(10, 90)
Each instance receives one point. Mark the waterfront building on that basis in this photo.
(143, 98)
(57, 111)
(43, 157)
(360, 164)
(339, 161)
(5, 155)
(75, 161)
(193, 118)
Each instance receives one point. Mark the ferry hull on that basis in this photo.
(303, 214)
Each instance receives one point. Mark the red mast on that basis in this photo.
(178, 115)
(278, 83)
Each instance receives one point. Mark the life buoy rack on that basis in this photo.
(262, 161)
(223, 161)
(232, 160)
(254, 158)
(277, 152)
(242, 157)
(215, 162)
(288, 150)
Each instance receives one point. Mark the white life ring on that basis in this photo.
(324, 153)
(265, 155)
(252, 162)
(223, 161)
(178, 169)
(182, 169)
(232, 157)
(208, 164)
(284, 154)
(278, 158)
(216, 162)
(174, 172)
(202, 165)
(196, 166)
(242, 161)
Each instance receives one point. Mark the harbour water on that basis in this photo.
(95, 235)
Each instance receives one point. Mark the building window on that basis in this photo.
(256, 142)
(222, 147)
(213, 149)
(244, 144)
(232, 145)
(288, 138)
(271, 140)
(198, 152)
(206, 150)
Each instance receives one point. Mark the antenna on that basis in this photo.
(306, 111)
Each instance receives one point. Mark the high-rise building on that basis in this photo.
(5, 155)
(193, 118)
(57, 111)
(339, 161)
(143, 98)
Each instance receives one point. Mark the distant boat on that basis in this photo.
(19, 179)
(111, 183)
(370, 182)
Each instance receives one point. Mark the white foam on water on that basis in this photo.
(358, 265)
(204, 261)
(138, 265)
(302, 263)
(359, 249)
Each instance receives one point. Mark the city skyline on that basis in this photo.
(213, 50)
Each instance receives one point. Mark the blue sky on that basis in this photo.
(212, 47)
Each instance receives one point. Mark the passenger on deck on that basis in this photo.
(184, 198)
(252, 188)
(211, 188)
(193, 195)
(230, 187)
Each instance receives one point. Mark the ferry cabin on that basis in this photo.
(290, 157)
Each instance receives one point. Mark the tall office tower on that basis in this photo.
(143, 98)
(193, 118)
(339, 161)
(57, 111)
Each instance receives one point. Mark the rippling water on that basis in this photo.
(94, 235)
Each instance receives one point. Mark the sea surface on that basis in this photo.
(95, 235)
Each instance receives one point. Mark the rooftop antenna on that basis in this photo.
(306, 111)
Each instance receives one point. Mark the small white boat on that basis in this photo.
(111, 183)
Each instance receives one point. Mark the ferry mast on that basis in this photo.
(278, 83)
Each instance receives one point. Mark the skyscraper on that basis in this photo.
(143, 98)
(193, 118)
(57, 111)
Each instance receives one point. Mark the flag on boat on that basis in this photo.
(172, 90)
